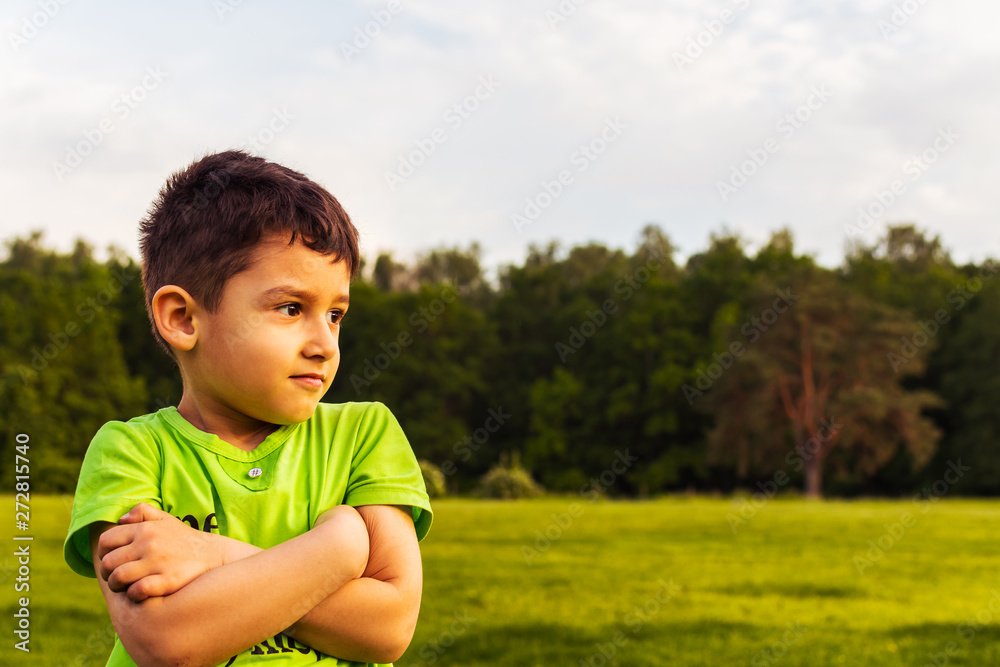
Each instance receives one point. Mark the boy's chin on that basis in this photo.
(282, 415)
(295, 416)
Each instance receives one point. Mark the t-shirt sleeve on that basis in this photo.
(384, 469)
(120, 469)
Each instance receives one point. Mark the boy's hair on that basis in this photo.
(208, 217)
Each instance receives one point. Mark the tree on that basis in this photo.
(617, 337)
(823, 371)
(62, 372)
(142, 354)
(460, 268)
(421, 353)
(909, 270)
(971, 385)
(388, 275)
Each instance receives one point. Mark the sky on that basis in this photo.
(439, 124)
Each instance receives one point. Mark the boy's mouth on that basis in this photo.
(314, 380)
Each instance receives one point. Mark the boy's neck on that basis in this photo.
(240, 433)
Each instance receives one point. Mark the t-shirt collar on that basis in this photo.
(214, 443)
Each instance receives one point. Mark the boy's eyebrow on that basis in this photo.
(296, 293)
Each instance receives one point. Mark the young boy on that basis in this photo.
(259, 525)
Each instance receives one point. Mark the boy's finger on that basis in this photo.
(143, 512)
(112, 538)
(147, 587)
(114, 559)
(125, 575)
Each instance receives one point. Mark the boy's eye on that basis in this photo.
(335, 316)
(294, 306)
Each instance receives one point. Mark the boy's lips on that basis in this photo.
(310, 379)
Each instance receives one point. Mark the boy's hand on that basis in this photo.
(152, 553)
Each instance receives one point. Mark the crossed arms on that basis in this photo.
(350, 587)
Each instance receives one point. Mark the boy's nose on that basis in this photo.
(322, 341)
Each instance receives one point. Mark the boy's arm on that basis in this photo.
(376, 612)
(230, 608)
(380, 609)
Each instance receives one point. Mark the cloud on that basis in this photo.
(357, 117)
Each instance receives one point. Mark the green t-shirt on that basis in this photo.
(346, 453)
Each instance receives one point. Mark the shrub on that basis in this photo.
(508, 482)
(433, 479)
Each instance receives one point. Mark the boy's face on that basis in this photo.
(278, 323)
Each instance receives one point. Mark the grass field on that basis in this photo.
(562, 581)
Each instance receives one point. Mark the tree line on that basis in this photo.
(600, 370)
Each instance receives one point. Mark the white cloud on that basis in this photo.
(353, 120)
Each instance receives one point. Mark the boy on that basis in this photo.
(260, 525)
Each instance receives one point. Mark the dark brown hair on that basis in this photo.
(203, 226)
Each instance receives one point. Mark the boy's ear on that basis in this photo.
(174, 311)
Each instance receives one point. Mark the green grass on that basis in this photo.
(655, 583)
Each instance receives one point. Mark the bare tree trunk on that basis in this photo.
(814, 478)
